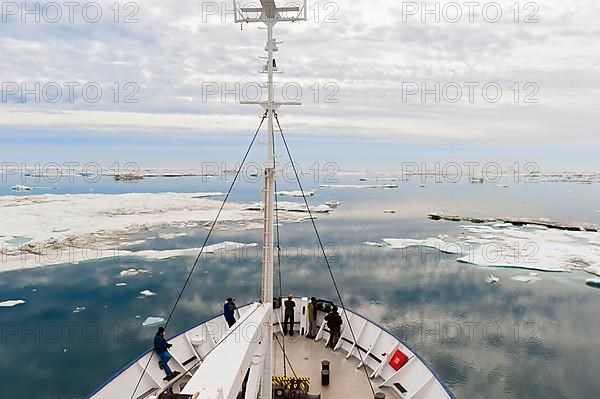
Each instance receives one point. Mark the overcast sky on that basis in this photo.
(361, 65)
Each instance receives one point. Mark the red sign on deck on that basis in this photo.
(398, 360)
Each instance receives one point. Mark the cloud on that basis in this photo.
(360, 54)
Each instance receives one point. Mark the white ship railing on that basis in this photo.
(416, 379)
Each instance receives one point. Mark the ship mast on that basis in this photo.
(269, 14)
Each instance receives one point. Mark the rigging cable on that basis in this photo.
(286, 357)
(187, 280)
(335, 285)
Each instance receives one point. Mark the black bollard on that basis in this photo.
(324, 377)
(379, 395)
(325, 365)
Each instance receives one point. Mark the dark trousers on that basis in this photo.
(334, 337)
(288, 324)
(164, 359)
(230, 322)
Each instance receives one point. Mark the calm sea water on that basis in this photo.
(508, 340)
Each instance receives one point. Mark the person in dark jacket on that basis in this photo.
(312, 318)
(161, 348)
(229, 311)
(334, 323)
(288, 322)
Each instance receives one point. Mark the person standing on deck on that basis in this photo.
(229, 311)
(161, 348)
(334, 323)
(312, 318)
(288, 322)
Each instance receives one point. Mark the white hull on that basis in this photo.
(376, 346)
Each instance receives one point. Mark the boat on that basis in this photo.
(253, 358)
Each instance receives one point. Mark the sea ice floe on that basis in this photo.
(11, 303)
(510, 246)
(593, 282)
(207, 195)
(147, 293)
(164, 254)
(517, 234)
(526, 278)
(303, 219)
(229, 246)
(593, 269)
(133, 272)
(333, 204)
(72, 221)
(436, 243)
(169, 236)
(495, 257)
(351, 172)
(488, 237)
(380, 179)
(374, 244)
(296, 193)
(535, 227)
(373, 186)
(133, 243)
(153, 321)
(121, 284)
(473, 240)
(250, 226)
(291, 207)
(492, 279)
(173, 253)
(477, 227)
(79, 309)
(549, 250)
(501, 225)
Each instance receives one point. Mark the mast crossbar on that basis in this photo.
(269, 14)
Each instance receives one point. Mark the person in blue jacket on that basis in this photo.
(229, 311)
(161, 348)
